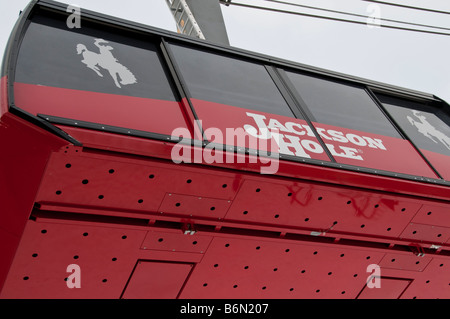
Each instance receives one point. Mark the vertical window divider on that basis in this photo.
(386, 113)
(400, 130)
(296, 103)
(183, 91)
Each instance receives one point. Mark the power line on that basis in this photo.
(357, 15)
(407, 7)
(331, 18)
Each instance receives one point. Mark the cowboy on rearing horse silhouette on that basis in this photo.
(425, 128)
(107, 61)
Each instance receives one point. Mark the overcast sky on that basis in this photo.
(408, 59)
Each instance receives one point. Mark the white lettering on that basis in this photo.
(374, 143)
(322, 134)
(277, 125)
(197, 309)
(259, 120)
(348, 152)
(351, 153)
(357, 140)
(312, 146)
(294, 142)
(257, 136)
(290, 127)
(337, 136)
(309, 132)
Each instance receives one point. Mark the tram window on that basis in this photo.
(341, 104)
(95, 74)
(91, 58)
(426, 126)
(222, 79)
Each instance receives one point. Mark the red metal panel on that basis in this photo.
(176, 242)
(293, 204)
(194, 205)
(95, 182)
(376, 214)
(390, 288)
(106, 257)
(252, 268)
(433, 215)
(405, 261)
(3, 95)
(428, 233)
(156, 280)
(434, 282)
(8, 246)
(25, 150)
(136, 113)
(230, 266)
(322, 208)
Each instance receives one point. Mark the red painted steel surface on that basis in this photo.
(136, 113)
(433, 215)
(25, 150)
(232, 266)
(96, 181)
(106, 259)
(222, 232)
(89, 200)
(261, 268)
(165, 282)
(392, 288)
(3, 96)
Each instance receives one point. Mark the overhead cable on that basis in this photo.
(407, 6)
(333, 18)
(356, 15)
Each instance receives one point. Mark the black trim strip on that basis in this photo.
(43, 124)
(105, 128)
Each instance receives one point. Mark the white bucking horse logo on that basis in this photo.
(425, 128)
(105, 59)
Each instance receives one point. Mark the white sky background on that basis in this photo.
(408, 59)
